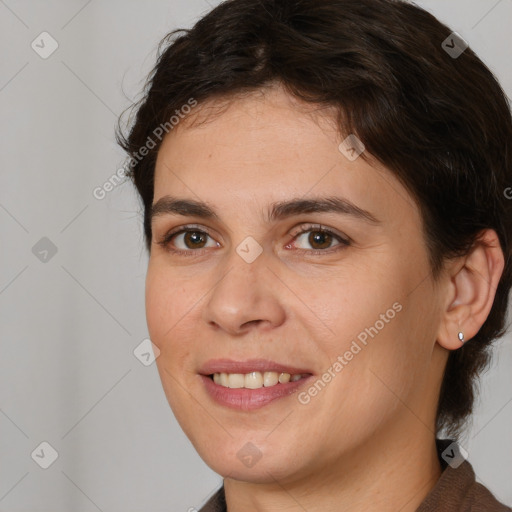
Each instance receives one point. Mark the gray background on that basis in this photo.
(68, 375)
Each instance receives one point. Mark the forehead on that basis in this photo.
(268, 147)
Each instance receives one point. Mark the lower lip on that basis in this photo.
(250, 399)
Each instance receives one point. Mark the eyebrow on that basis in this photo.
(168, 205)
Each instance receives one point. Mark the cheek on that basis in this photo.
(164, 306)
(157, 314)
(171, 314)
(165, 312)
(357, 308)
(391, 369)
(373, 329)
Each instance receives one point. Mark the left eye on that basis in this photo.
(320, 239)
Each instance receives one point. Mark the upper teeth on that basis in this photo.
(253, 380)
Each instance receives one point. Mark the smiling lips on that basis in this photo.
(250, 384)
(254, 380)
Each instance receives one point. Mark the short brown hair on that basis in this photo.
(440, 124)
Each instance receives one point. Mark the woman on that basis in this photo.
(329, 238)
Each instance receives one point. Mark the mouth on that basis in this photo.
(249, 385)
(255, 379)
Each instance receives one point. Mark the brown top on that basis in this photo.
(455, 491)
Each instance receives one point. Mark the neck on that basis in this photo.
(370, 478)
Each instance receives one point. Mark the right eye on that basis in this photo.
(190, 238)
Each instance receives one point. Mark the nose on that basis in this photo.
(244, 297)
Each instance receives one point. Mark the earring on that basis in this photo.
(461, 337)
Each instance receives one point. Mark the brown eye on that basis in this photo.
(319, 239)
(194, 239)
(186, 241)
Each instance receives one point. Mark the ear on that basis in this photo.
(473, 280)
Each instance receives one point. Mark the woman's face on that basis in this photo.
(352, 312)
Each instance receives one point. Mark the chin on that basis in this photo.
(244, 461)
(261, 473)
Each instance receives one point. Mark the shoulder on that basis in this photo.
(217, 503)
(457, 489)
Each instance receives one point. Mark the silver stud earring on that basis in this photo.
(461, 337)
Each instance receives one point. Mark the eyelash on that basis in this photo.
(344, 242)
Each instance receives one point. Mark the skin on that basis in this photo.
(366, 441)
